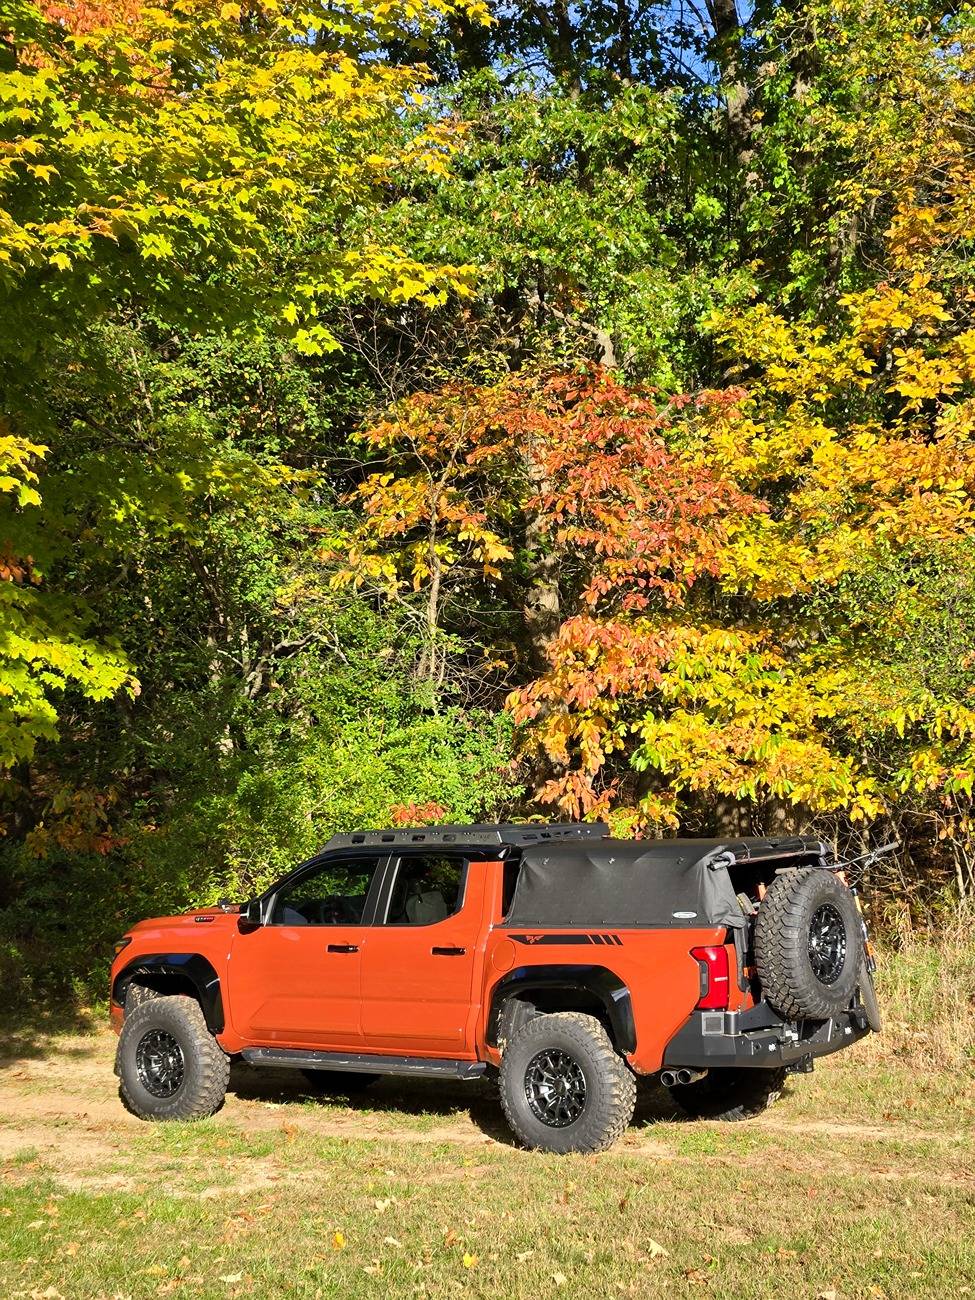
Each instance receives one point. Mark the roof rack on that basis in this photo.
(507, 833)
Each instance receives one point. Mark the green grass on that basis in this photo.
(435, 1220)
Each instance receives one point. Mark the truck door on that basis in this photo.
(418, 965)
(296, 980)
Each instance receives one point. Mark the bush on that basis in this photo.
(234, 834)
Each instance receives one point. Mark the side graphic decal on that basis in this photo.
(609, 940)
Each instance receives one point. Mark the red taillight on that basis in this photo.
(715, 980)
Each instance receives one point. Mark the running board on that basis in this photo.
(297, 1059)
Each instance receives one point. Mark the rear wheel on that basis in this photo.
(338, 1083)
(169, 1064)
(808, 944)
(564, 1087)
(729, 1094)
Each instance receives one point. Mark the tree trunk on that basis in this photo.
(726, 50)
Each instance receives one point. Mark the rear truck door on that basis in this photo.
(419, 963)
(295, 981)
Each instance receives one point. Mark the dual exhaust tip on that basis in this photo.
(671, 1078)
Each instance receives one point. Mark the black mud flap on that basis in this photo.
(868, 997)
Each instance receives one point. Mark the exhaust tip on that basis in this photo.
(680, 1077)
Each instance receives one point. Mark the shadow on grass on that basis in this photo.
(26, 1031)
(418, 1098)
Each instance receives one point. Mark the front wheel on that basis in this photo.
(564, 1087)
(729, 1094)
(169, 1064)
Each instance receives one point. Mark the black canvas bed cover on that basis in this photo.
(642, 884)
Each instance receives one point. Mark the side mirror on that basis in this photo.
(251, 912)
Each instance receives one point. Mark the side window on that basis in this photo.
(426, 890)
(333, 893)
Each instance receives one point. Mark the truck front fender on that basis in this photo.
(594, 983)
(177, 968)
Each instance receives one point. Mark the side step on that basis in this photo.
(299, 1059)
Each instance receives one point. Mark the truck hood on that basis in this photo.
(206, 918)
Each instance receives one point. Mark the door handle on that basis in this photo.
(448, 952)
(343, 947)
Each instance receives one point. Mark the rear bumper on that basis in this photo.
(759, 1038)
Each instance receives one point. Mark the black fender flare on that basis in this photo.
(597, 981)
(188, 966)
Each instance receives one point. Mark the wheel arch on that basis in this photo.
(175, 972)
(566, 988)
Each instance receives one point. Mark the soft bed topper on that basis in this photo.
(648, 883)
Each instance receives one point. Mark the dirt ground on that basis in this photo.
(60, 1099)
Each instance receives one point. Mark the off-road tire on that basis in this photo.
(729, 1094)
(610, 1085)
(783, 956)
(136, 995)
(338, 1083)
(205, 1066)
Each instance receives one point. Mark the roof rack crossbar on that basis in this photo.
(499, 833)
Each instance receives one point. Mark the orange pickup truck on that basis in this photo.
(560, 961)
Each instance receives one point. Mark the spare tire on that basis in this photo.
(808, 944)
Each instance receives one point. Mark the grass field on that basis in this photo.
(860, 1182)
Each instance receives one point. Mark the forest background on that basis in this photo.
(417, 411)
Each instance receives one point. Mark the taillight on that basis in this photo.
(715, 980)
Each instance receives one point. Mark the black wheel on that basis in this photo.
(808, 944)
(169, 1064)
(338, 1083)
(564, 1087)
(729, 1094)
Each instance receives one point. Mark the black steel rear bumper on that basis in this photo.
(760, 1038)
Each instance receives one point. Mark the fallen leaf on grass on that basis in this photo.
(697, 1275)
(655, 1250)
(338, 1240)
(523, 1255)
(559, 1279)
(231, 1278)
(469, 1261)
(391, 1241)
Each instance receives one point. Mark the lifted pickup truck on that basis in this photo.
(562, 961)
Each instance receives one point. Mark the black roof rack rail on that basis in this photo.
(483, 835)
